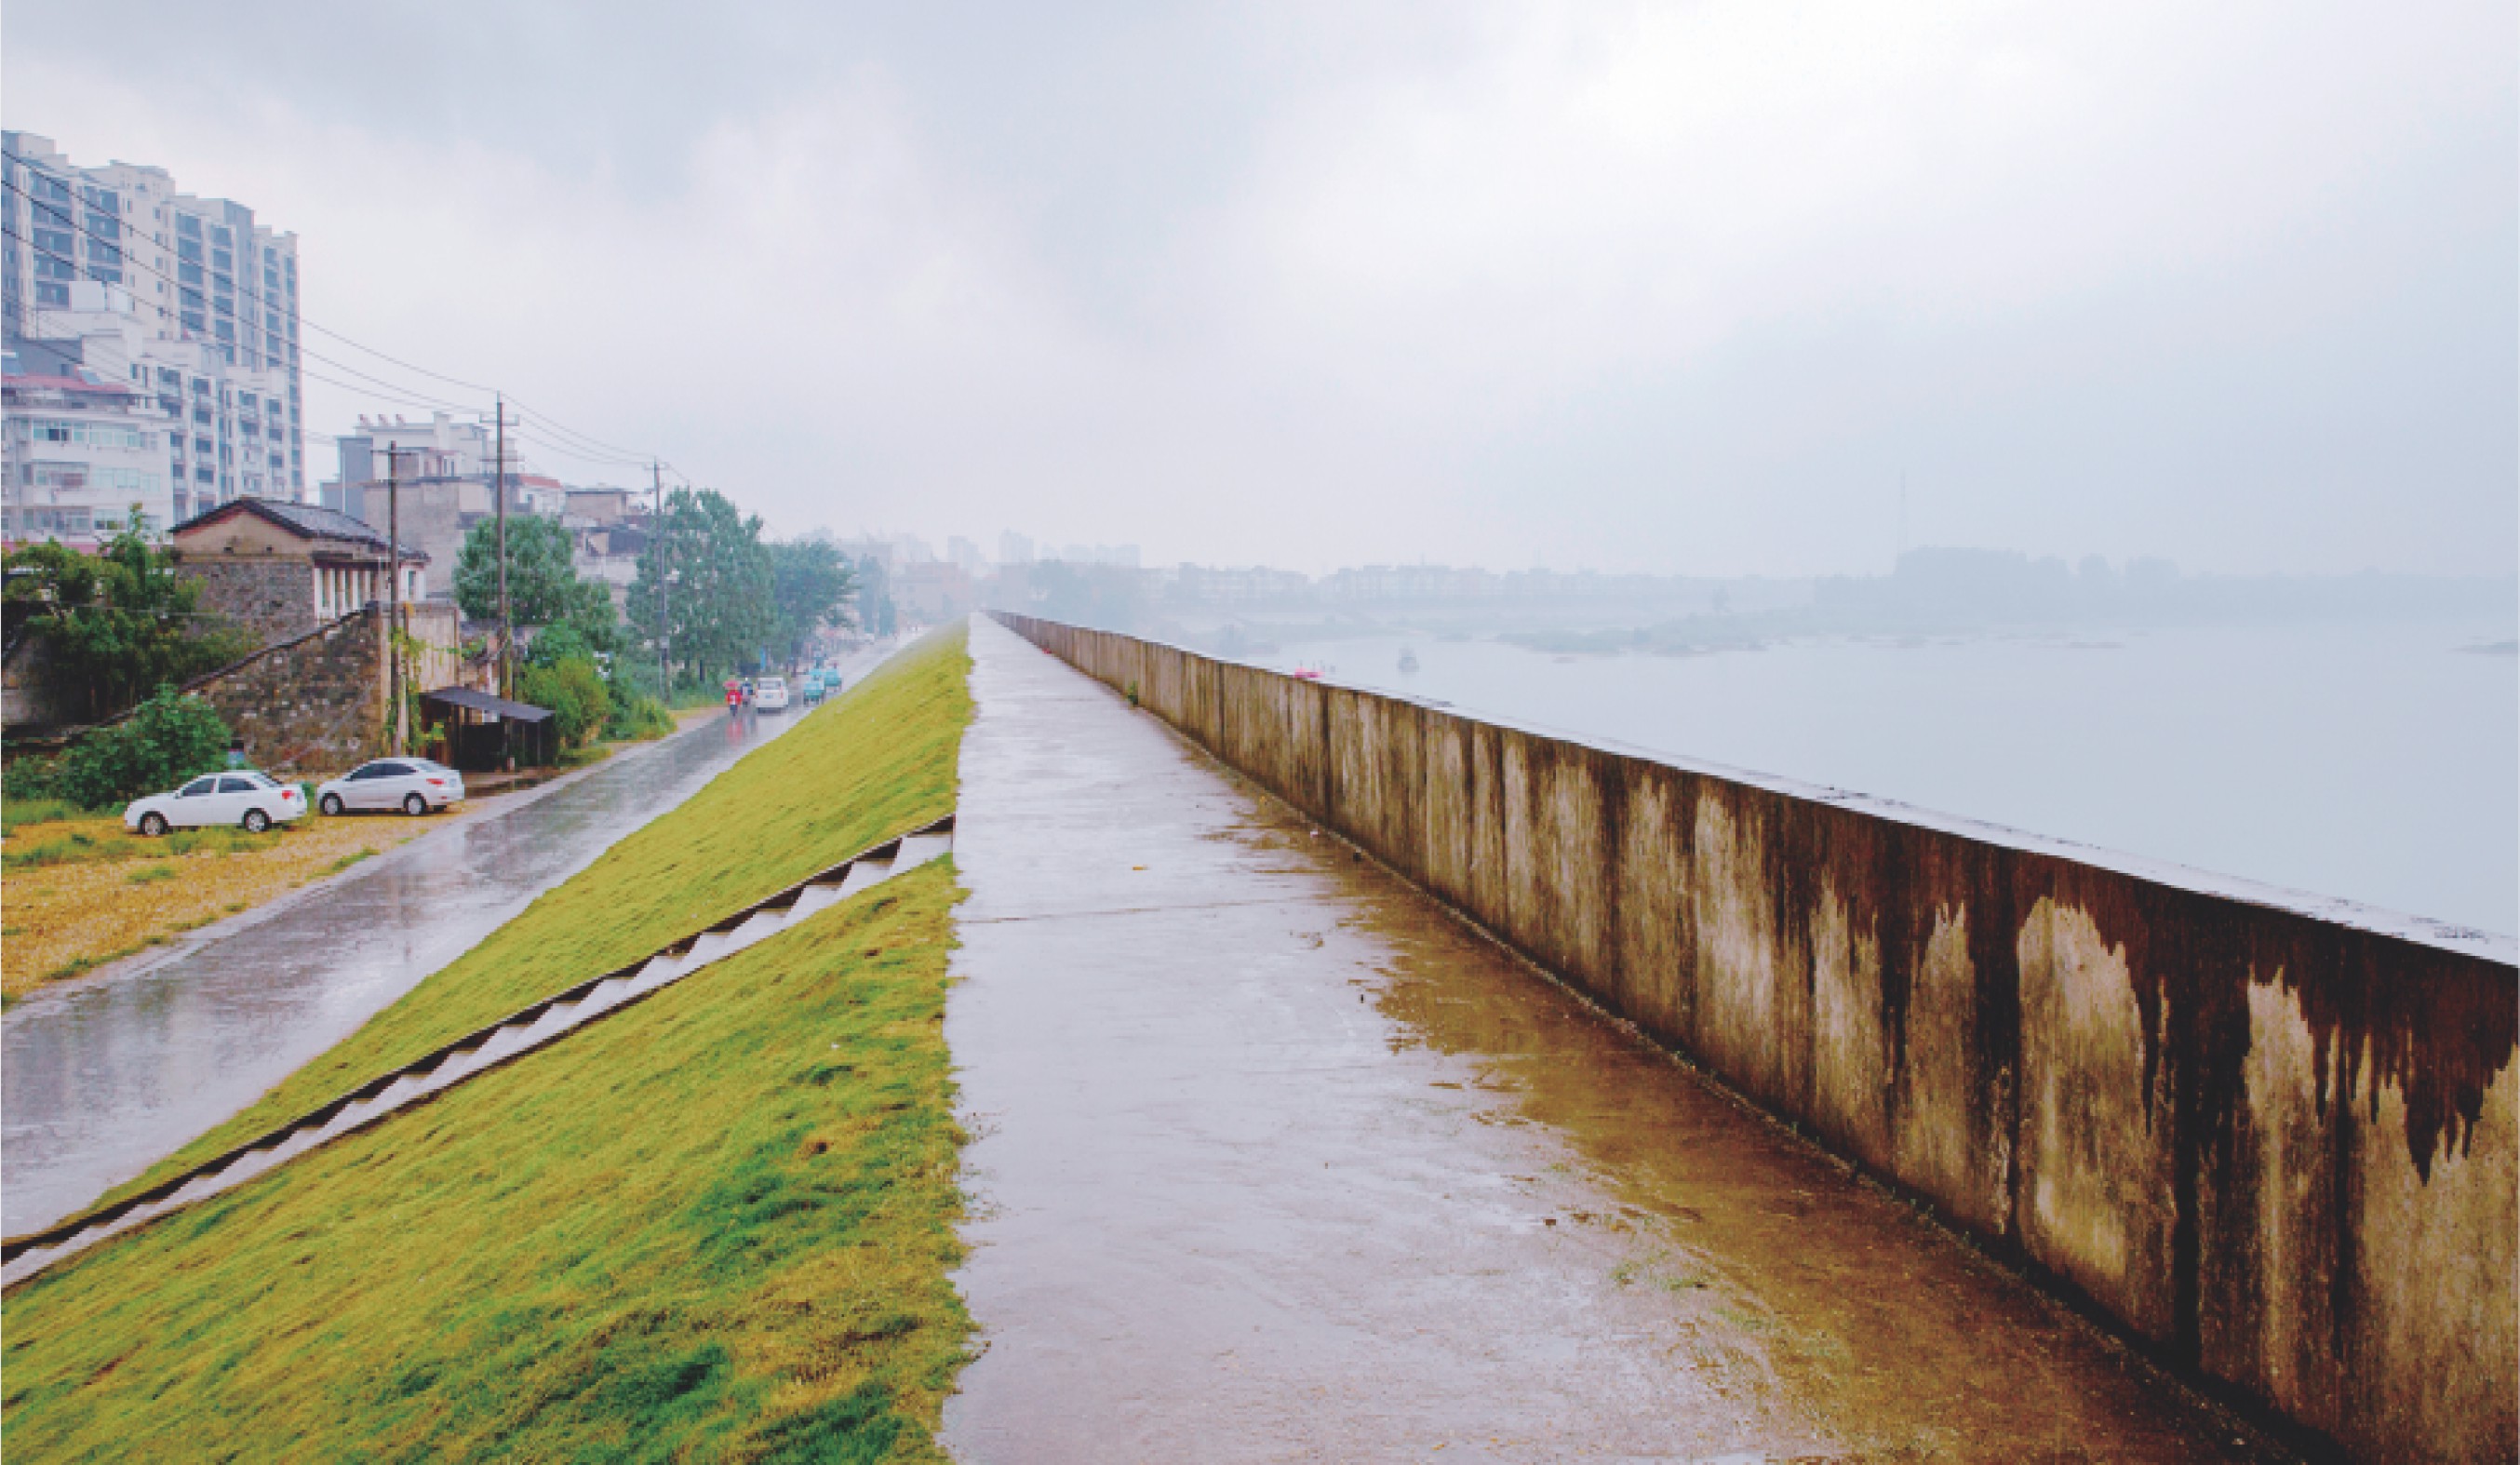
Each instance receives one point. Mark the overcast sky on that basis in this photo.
(1681, 287)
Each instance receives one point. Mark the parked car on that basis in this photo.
(770, 695)
(413, 785)
(243, 797)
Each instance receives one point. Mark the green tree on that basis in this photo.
(723, 595)
(874, 609)
(811, 586)
(118, 624)
(543, 583)
(167, 740)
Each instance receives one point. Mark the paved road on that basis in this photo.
(101, 1079)
(1273, 1159)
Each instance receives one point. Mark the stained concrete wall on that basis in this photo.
(2272, 1139)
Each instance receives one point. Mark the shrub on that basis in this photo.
(638, 719)
(574, 692)
(169, 739)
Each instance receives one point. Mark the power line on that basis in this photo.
(411, 393)
(263, 302)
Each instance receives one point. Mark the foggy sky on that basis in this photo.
(1676, 289)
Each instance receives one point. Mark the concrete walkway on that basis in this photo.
(1272, 1160)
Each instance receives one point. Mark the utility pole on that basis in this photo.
(393, 590)
(507, 631)
(664, 592)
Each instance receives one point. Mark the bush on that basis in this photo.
(574, 692)
(167, 740)
(637, 719)
(31, 778)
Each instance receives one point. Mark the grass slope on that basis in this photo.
(716, 1226)
(878, 760)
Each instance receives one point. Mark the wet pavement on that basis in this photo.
(1273, 1160)
(102, 1078)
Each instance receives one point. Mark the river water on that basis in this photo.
(102, 1078)
(2376, 762)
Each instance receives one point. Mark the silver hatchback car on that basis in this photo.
(414, 784)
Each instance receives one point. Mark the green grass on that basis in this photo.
(19, 811)
(150, 875)
(105, 840)
(876, 762)
(348, 860)
(718, 1225)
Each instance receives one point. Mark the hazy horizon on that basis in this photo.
(1689, 289)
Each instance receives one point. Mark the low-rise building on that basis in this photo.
(282, 569)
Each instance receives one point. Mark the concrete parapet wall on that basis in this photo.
(2272, 1138)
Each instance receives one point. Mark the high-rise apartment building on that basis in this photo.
(113, 277)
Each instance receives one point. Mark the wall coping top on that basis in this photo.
(2335, 910)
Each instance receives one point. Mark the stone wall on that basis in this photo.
(314, 702)
(273, 597)
(2270, 1140)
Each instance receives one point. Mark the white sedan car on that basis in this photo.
(245, 798)
(770, 695)
(413, 785)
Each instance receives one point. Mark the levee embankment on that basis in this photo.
(2271, 1139)
(715, 1226)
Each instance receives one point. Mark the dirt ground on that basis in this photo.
(122, 894)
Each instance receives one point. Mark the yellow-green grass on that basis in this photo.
(716, 1226)
(877, 760)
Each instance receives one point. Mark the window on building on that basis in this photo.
(48, 293)
(48, 268)
(101, 227)
(52, 241)
(188, 248)
(189, 274)
(188, 226)
(221, 236)
(195, 321)
(202, 446)
(205, 475)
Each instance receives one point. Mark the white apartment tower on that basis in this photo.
(111, 277)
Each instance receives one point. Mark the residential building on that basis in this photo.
(931, 592)
(191, 298)
(440, 475)
(82, 454)
(602, 505)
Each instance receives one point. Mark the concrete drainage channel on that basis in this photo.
(476, 1053)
